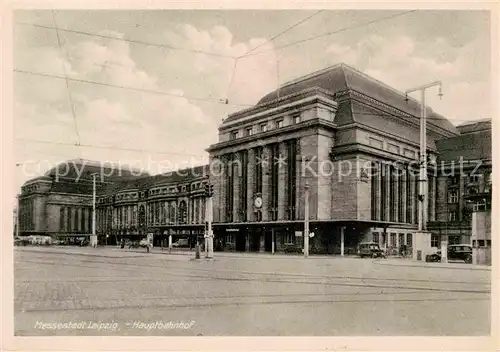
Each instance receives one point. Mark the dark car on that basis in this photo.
(455, 252)
(370, 249)
(292, 248)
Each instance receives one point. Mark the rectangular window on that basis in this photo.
(401, 239)
(409, 239)
(452, 216)
(62, 221)
(473, 178)
(76, 219)
(279, 123)
(263, 127)
(454, 240)
(479, 206)
(453, 196)
(234, 135)
(68, 220)
(249, 131)
(290, 238)
(393, 240)
(376, 237)
(296, 118)
(453, 180)
(481, 243)
(434, 240)
(82, 220)
(488, 243)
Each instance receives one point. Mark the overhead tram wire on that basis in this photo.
(91, 146)
(214, 101)
(164, 46)
(281, 33)
(66, 79)
(332, 32)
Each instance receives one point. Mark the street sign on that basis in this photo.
(298, 233)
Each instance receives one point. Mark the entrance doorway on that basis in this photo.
(240, 241)
(255, 240)
(268, 240)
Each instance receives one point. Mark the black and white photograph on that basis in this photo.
(219, 172)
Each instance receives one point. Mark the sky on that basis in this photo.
(163, 73)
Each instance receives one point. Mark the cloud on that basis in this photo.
(111, 116)
(403, 63)
(215, 76)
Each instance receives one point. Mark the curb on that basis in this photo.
(433, 266)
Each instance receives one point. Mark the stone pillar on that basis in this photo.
(411, 198)
(404, 196)
(432, 198)
(396, 183)
(283, 187)
(265, 182)
(223, 189)
(379, 192)
(250, 184)
(387, 185)
(236, 187)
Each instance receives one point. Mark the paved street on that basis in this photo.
(106, 291)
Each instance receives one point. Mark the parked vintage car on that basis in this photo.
(455, 252)
(144, 242)
(370, 249)
(292, 248)
(180, 243)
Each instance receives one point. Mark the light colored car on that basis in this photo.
(182, 242)
(144, 243)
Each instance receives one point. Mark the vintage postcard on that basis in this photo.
(293, 177)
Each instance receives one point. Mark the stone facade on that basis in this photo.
(351, 140)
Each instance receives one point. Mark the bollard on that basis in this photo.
(197, 251)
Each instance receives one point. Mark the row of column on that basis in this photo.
(238, 211)
(396, 197)
(73, 219)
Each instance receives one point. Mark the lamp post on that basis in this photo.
(421, 239)
(423, 191)
(306, 220)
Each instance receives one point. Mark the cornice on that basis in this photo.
(384, 134)
(282, 99)
(317, 122)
